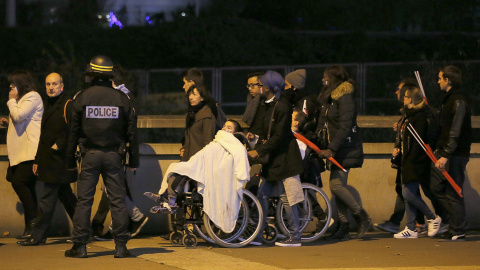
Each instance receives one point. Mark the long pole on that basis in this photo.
(316, 149)
(419, 80)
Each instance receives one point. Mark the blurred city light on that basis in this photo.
(112, 20)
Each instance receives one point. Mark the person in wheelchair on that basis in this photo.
(219, 171)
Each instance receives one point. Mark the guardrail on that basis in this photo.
(375, 181)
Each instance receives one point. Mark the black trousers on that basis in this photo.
(23, 182)
(47, 200)
(447, 196)
(103, 209)
(109, 165)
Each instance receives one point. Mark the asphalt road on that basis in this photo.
(377, 250)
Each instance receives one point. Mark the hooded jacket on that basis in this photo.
(340, 116)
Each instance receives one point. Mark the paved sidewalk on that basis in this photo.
(376, 251)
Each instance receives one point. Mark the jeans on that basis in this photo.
(399, 209)
(447, 196)
(415, 203)
(264, 194)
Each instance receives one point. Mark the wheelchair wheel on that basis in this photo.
(247, 227)
(200, 230)
(270, 234)
(189, 240)
(176, 238)
(314, 212)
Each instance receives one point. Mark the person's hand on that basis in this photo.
(253, 154)
(182, 151)
(35, 169)
(395, 152)
(441, 162)
(395, 126)
(4, 122)
(250, 136)
(13, 93)
(131, 169)
(326, 153)
(54, 146)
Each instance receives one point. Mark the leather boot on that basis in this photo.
(121, 251)
(341, 233)
(364, 222)
(77, 251)
(27, 233)
(32, 242)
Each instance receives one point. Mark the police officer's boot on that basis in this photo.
(121, 251)
(77, 251)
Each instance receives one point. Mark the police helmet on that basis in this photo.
(101, 64)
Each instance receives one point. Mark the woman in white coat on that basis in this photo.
(26, 110)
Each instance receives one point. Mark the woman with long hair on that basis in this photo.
(26, 110)
(342, 141)
(415, 163)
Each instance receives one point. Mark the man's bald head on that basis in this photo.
(54, 84)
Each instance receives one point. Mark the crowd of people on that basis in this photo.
(101, 122)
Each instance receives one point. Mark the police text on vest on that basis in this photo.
(102, 112)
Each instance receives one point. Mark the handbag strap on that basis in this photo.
(271, 120)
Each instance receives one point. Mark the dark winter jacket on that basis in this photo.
(285, 159)
(415, 162)
(340, 116)
(455, 137)
(54, 131)
(200, 133)
(103, 118)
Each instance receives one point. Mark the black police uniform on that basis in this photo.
(103, 121)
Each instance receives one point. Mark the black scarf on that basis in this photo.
(192, 111)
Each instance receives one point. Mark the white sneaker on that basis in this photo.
(434, 226)
(407, 233)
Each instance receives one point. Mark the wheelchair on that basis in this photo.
(190, 221)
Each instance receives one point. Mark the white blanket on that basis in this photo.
(221, 169)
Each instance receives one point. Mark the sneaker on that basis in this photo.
(165, 208)
(448, 237)
(434, 225)
(443, 229)
(422, 229)
(289, 242)
(138, 225)
(407, 233)
(388, 226)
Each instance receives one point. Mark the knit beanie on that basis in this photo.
(273, 81)
(297, 78)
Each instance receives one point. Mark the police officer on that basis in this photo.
(103, 122)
